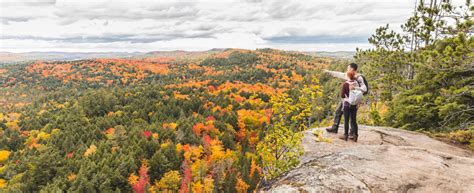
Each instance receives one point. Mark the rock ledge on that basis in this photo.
(383, 160)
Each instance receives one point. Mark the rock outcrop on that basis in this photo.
(383, 160)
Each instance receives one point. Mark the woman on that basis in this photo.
(350, 111)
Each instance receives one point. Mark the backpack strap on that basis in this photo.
(362, 81)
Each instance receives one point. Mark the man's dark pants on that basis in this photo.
(337, 118)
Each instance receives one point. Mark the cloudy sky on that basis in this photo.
(146, 25)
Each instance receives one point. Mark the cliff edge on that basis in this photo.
(383, 160)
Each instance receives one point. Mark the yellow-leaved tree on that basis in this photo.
(281, 148)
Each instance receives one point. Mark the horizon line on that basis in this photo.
(176, 50)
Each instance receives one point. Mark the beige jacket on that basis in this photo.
(362, 87)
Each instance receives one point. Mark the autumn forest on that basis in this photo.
(199, 123)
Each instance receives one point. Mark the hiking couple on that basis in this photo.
(351, 93)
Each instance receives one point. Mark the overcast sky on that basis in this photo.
(145, 25)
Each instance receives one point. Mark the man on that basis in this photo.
(362, 87)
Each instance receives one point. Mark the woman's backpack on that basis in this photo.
(355, 96)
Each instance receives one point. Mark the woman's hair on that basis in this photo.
(350, 74)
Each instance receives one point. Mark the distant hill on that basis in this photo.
(179, 55)
(337, 54)
(9, 57)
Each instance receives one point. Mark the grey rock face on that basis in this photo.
(383, 160)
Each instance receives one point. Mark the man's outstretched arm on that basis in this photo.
(336, 74)
(342, 75)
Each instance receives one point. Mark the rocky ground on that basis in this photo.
(383, 160)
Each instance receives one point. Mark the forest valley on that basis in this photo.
(155, 124)
(222, 121)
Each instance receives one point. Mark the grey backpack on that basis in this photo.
(355, 96)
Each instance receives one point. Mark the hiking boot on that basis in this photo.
(354, 137)
(344, 137)
(331, 130)
(351, 136)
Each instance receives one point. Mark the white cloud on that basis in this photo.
(146, 25)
